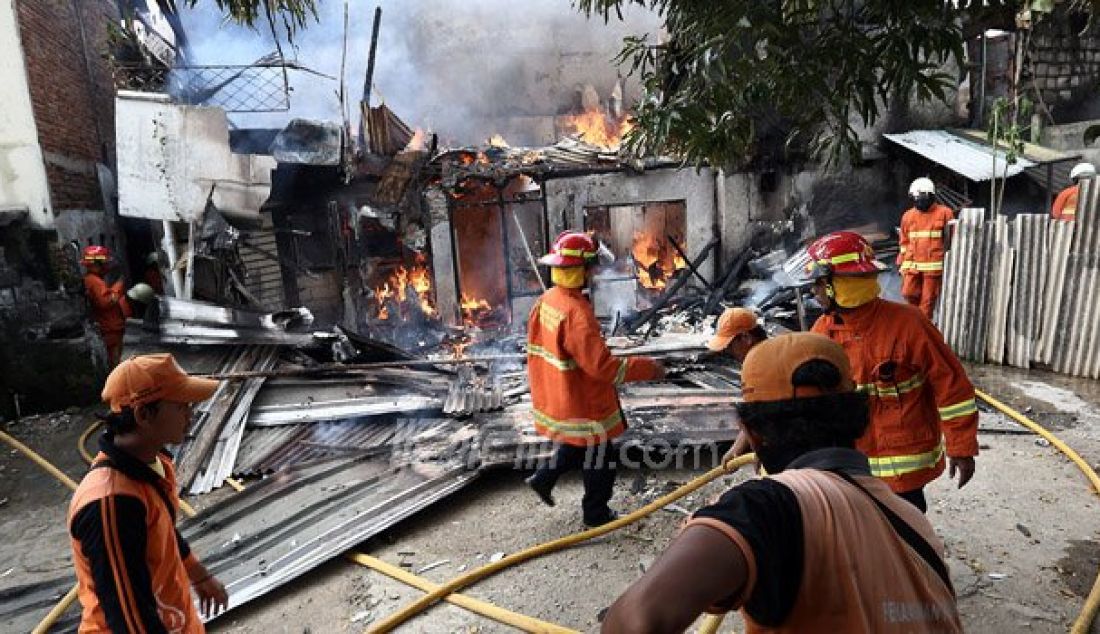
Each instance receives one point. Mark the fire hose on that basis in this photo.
(1080, 626)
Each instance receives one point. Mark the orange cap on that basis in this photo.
(766, 374)
(733, 322)
(153, 377)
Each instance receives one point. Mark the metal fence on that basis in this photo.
(255, 88)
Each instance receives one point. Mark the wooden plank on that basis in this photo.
(209, 420)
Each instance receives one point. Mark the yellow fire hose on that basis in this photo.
(421, 604)
(1092, 603)
(447, 590)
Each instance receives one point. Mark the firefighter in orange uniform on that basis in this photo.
(920, 256)
(1065, 205)
(919, 392)
(573, 379)
(107, 302)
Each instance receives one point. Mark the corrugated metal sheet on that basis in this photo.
(965, 157)
(284, 526)
(1031, 285)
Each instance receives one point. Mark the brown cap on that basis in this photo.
(769, 367)
(733, 322)
(154, 377)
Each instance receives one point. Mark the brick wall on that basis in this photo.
(1064, 60)
(74, 111)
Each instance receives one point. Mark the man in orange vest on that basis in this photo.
(919, 392)
(573, 379)
(134, 571)
(921, 246)
(1065, 205)
(818, 546)
(107, 302)
(737, 333)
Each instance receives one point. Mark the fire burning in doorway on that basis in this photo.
(655, 260)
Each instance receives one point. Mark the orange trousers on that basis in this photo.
(112, 340)
(921, 290)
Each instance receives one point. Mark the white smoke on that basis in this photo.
(462, 68)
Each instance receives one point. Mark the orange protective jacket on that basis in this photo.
(132, 566)
(921, 240)
(572, 373)
(1065, 205)
(919, 392)
(109, 305)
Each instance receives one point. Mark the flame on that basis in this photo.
(497, 140)
(597, 128)
(417, 278)
(418, 141)
(474, 309)
(655, 260)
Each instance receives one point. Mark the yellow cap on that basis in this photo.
(153, 377)
(769, 367)
(733, 322)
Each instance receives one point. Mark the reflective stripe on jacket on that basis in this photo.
(572, 373)
(918, 391)
(1065, 205)
(920, 245)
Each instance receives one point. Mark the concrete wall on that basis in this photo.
(170, 155)
(23, 184)
(567, 198)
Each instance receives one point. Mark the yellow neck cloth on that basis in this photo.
(567, 276)
(852, 292)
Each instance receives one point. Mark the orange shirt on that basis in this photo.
(131, 564)
(919, 392)
(921, 240)
(572, 373)
(1065, 205)
(108, 303)
(856, 574)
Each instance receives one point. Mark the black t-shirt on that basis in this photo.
(766, 513)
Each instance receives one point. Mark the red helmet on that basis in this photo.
(842, 253)
(572, 248)
(95, 254)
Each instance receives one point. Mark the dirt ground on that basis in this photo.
(1022, 537)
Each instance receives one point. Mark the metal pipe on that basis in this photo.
(527, 249)
(800, 308)
(168, 243)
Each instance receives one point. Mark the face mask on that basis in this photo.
(568, 276)
(852, 292)
(923, 202)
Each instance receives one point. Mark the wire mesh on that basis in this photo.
(258, 88)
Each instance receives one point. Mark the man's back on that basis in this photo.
(827, 559)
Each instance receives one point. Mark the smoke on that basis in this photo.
(463, 68)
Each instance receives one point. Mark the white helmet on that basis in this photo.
(142, 292)
(1082, 170)
(922, 185)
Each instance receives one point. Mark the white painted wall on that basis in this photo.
(566, 199)
(169, 155)
(23, 185)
